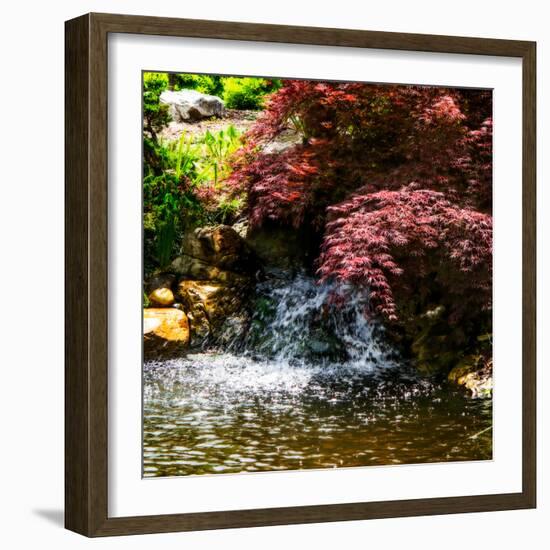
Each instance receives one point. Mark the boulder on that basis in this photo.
(196, 269)
(159, 289)
(215, 253)
(475, 373)
(208, 305)
(218, 245)
(434, 353)
(150, 324)
(233, 330)
(281, 247)
(160, 280)
(215, 272)
(218, 300)
(435, 345)
(199, 323)
(284, 140)
(165, 332)
(162, 297)
(190, 105)
(241, 227)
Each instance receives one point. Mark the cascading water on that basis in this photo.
(311, 384)
(307, 323)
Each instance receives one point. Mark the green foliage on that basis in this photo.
(206, 84)
(169, 207)
(247, 93)
(183, 185)
(182, 190)
(217, 149)
(155, 81)
(166, 238)
(237, 92)
(184, 157)
(228, 209)
(155, 114)
(156, 157)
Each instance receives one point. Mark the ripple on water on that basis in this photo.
(223, 413)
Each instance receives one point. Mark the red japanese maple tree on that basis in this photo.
(396, 179)
(398, 239)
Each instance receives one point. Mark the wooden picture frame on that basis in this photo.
(86, 283)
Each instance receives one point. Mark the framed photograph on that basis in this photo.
(300, 275)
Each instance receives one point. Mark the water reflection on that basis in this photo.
(220, 413)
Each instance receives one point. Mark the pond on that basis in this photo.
(214, 413)
(313, 383)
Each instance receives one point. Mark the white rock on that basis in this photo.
(191, 105)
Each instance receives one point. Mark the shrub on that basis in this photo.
(363, 136)
(206, 84)
(237, 92)
(170, 206)
(183, 189)
(396, 183)
(218, 147)
(397, 242)
(247, 93)
(155, 114)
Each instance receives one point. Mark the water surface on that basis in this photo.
(312, 384)
(222, 413)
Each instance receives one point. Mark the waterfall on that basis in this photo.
(301, 333)
(299, 321)
(310, 383)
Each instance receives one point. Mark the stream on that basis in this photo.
(311, 385)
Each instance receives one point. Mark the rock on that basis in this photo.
(150, 324)
(168, 323)
(318, 346)
(215, 271)
(195, 269)
(159, 289)
(436, 346)
(474, 373)
(283, 141)
(215, 253)
(208, 305)
(218, 245)
(280, 247)
(433, 353)
(321, 344)
(233, 329)
(160, 280)
(241, 228)
(185, 105)
(198, 323)
(206, 293)
(165, 332)
(162, 297)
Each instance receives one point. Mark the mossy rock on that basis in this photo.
(466, 365)
(475, 373)
(434, 353)
(436, 346)
(219, 246)
(281, 247)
